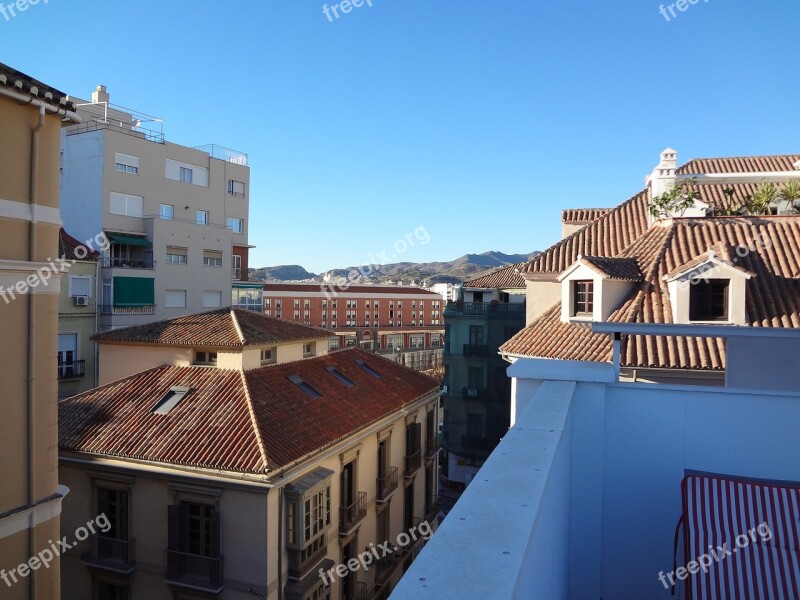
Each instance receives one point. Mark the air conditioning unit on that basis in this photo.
(81, 300)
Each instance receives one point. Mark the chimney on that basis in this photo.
(663, 176)
(100, 95)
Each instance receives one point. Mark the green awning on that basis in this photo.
(129, 240)
(134, 291)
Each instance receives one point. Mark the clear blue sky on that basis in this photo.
(478, 121)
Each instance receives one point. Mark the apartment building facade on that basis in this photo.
(477, 392)
(404, 323)
(225, 482)
(31, 116)
(175, 217)
(77, 317)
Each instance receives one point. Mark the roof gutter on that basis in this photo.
(28, 99)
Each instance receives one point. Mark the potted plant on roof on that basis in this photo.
(791, 193)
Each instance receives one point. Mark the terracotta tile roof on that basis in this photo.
(254, 421)
(504, 277)
(67, 245)
(33, 87)
(619, 268)
(607, 236)
(579, 216)
(740, 164)
(303, 288)
(224, 327)
(773, 294)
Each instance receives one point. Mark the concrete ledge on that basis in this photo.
(562, 370)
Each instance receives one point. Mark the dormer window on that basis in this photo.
(583, 298)
(205, 358)
(709, 300)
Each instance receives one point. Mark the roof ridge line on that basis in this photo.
(236, 326)
(647, 278)
(262, 448)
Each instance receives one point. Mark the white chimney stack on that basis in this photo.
(100, 95)
(663, 176)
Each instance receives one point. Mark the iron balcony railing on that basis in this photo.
(194, 570)
(72, 370)
(478, 350)
(130, 263)
(386, 485)
(413, 463)
(108, 309)
(237, 273)
(111, 554)
(431, 446)
(350, 516)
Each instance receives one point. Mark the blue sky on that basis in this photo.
(478, 121)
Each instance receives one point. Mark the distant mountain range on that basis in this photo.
(454, 271)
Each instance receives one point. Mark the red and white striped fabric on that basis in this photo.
(749, 531)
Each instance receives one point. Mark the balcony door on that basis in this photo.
(476, 335)
(67, 354)
(348, 485)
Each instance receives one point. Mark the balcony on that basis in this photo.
(237, 274)
(301, 562)
(108, 309)
(431, 447)
(141, 262)
(73, 370)
(432, 507)
(193, 570)
(350, 516)
(223, 153)
(413, 463)
(386, 485)
(469, 393)
(111, 554)
(359, 591)
(476, 350)
(493, 309)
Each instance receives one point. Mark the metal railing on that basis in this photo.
(72, 370)
(193, 569)
(237, 273)
(476, 350)
(484, 308)
(223, 153)
(140, 132)
(386, 485)
(431, 446)
(349, 516)
(413, 463)
(108, 309)
(129, 263)
(111, 553)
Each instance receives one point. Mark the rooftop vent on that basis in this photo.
(304, 385)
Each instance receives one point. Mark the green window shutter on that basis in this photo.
(134, 291)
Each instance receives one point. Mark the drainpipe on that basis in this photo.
(32, 196)
(280, 546)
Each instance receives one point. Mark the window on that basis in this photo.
(133, 291)
(186, 173)
(212, 258)
(105, 590)
(304, 385)
(368, 368)
(236, 263)
(583, 297)
(126, 205)
(193, 529)
(269, 356)
(476, 335)
(278, 303)
(296, 303)
(477, 297)
(333, 343)
(166, 212)
(708, 300)
(236, 188)
(309, 349)
(176, 255)
(212, 298)
(80, 285)
(170, 400)
(308, 508)
(125, 163)
(67, 355)
(175, 298)
(201, 357)
(202, 217)
(235, 225)
(340, 376)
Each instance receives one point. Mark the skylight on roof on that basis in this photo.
(340, 376)
(304, 385)
(170, 399)
(369, 369)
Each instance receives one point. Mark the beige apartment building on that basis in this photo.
(175, 217)
(31, 117)
(229, 479)
(77, 317)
